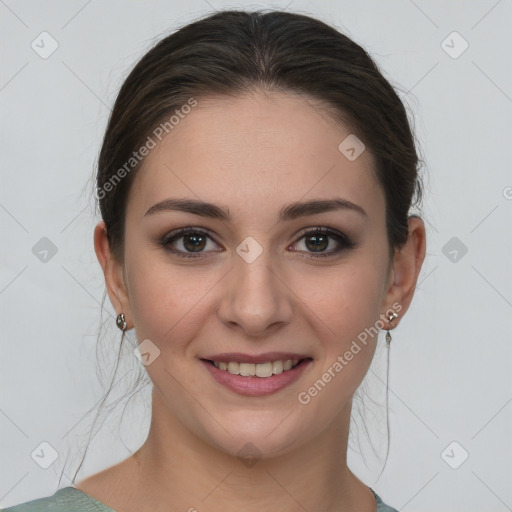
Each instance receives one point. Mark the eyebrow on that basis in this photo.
(288, 212)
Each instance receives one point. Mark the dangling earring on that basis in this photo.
(121, 322)
(391, 317)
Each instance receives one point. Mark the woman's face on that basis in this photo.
(257, 284)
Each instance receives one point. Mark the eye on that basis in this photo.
(193, 242)
(318, 240)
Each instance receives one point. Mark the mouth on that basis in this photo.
(256, 379)
(261, 370)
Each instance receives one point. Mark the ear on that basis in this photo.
(113, 272)
(404, 272)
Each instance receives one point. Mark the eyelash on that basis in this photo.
(341, 238)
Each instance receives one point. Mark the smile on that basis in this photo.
(257, 370)
(256, 379)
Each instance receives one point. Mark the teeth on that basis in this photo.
(247, 369)
(256, 370)
(263, 370)
(277, 367)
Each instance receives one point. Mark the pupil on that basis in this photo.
(197, 242)
(318, 244)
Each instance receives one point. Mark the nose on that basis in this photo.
(256, 298)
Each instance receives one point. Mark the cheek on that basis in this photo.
(167, 299)
(345, 301)
(346, 307)
(346, 318)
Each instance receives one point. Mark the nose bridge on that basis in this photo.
(257, 297)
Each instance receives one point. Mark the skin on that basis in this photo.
(252, 154)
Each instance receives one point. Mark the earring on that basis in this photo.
(391, 317)
(121, 322)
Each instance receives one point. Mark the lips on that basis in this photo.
(256, 374)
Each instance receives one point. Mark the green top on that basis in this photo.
(69, 499)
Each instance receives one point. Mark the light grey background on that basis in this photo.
(450, 374)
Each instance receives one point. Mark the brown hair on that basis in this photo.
(231, 52)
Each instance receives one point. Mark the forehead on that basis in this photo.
(255, 150)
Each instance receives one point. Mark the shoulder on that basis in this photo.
(67, 499)
(381, 506)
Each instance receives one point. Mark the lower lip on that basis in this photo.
(257, 386)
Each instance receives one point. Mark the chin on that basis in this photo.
(255, 434)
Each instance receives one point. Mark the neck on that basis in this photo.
(179, 471)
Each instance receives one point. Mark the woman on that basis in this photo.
(255, 183)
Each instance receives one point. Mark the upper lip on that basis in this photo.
(255, 358)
